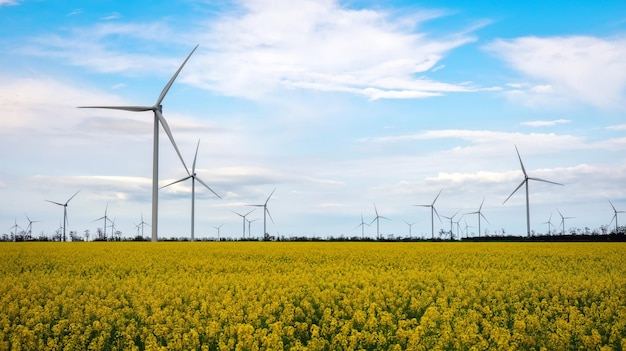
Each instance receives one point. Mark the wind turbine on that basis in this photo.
(377, 219)
(105, 218)
(525, 182)
(362, 225)
(64, 211)
(563, 221)
(193, 177)
(480, 214)
(266, 212)
(451, 218)
(29, 229)
(410, 225)
(432, 213)
(249, 223)
(549, 223)
(141, 224)
(615, 216)
(218, 231)
(15, 227)
(157, 109)
(243, 217)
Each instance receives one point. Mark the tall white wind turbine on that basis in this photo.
(194, 178)
(15, 227)
(451, 223)
(157, 109)
(141, 224)
(218, 231)
(615, 216)
(377, 219)
(105, 218)
(525, 182)
(64, 211)
(266, 212)
(433, 210)
(479, 214)
(249, 227)
(549, 223)
(410, 225)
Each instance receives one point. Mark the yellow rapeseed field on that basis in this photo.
(312, 296)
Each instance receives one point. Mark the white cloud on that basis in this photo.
(322, 46)
(588, 69)
(8, 2)
(617, 127)
(545, 123)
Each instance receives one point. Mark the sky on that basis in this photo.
(343, 107)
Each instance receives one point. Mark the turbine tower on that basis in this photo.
(432, 214)
(362, 225)
(157, 109)
(266, 212)
(615, 216)
(525, 182)
(193, 177)
(64, 211)
(377, 218)
(480, 214)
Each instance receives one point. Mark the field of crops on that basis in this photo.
(312, 296)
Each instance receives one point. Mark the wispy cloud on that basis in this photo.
(582, 68)
(8, 2)
(75, 12)
(112, 16)
(545, 123)
(617, 127)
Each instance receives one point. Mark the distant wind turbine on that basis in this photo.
(433, 210)
(249, 230)
(451, 222)
(243, 217)
(362, 225)
(615, 216)
(525, 182)
(218, 231)
(377, 219)
(64, 211)
(410, 225)
(29, 228)
(141, 224)
(193, 177)
(157, 109)
(15, 227)
(563, 218)
(549, 223)
(266, 212)
(105, 219)
(479, 214)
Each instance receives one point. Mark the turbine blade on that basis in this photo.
(169, 135)
(70, 199)
(612, 206)
(520, 162)
(56, 203)
(124, 108)
(481, 204)
(206, 186)
(437, 213)
(248, 213)
(543, 180)
(178, 181)
(268, 198)
(516, 189)
(169, 84)
(433, 204)
(485, 218)
(193, 167)
(269, 214)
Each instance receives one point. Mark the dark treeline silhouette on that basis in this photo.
(572, 235)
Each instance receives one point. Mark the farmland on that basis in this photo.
(312, 296)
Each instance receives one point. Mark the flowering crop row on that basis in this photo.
(312, 296)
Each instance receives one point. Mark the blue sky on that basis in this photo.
(337, 105)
